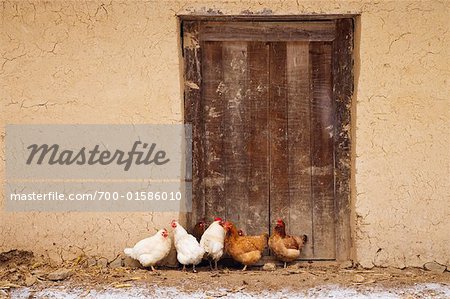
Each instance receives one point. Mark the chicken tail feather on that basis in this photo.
(301, 240)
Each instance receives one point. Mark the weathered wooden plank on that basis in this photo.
(278, 154)
(267, 31)
(257, 220)
(343, 91)
(213, 116)
(193, 115)
(322, 151)
(299, 149)
(236, 130)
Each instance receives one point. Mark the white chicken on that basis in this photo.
(151, 250)
(213, 240)
(189, 251)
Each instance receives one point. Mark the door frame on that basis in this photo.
(343, 88)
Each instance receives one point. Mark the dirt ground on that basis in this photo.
(23, 276)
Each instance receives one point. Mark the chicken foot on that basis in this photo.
(215, 266)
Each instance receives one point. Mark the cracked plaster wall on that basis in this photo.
(118, 62)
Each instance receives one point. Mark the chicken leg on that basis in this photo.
(153, 269)
(193, 268)
(245, 268)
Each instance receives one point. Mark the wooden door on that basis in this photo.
(261, 99)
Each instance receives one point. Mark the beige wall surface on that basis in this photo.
(119, 62)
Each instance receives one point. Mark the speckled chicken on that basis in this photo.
(247, 250)
(285, 248)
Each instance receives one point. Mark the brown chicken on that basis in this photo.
(285, 248)
(199, 229)
(245, 249)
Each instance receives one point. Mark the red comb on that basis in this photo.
(217, 219)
